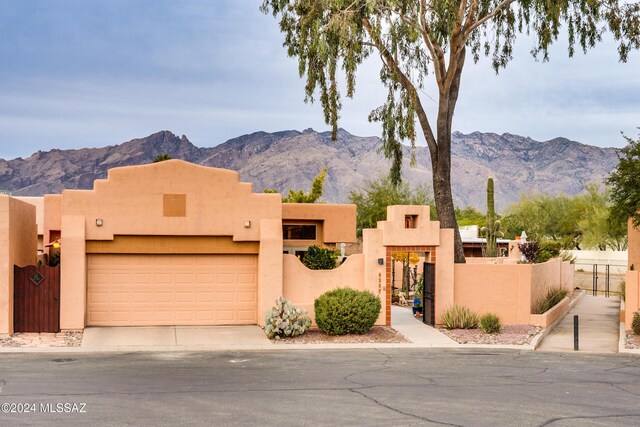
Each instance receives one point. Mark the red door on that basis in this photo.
(36, 299)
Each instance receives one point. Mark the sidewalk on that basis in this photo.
(414, 330)
(220, 338)
(599, 327)
(230, 338)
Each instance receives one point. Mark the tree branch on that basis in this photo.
(504, 4)
(406, 83)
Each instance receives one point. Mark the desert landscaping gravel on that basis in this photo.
(510, 335)
(632, 341)
(60, 339)
(378, 334)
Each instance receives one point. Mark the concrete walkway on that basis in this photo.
(599, 327)
(414, 330)
(174, 338)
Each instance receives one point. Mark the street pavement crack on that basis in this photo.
(384, 366)
(587, 417)
(398, 411)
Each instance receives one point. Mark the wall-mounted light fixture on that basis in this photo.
(380, 261)
(99, 222)
(247, 224)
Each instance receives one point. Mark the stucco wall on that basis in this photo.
(632, 296)
(270, 269)
(52, 215)
(425, 233)
(38, 202)
(73, 273)
(544, 277)
(338, 221)
(633, 246)
(131, 202)
(508, 289)
(302, 285)
(504, 289)
(445, 273)
(375, 274)
(18, 246)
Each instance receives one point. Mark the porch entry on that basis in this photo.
(404, 276)
(36, 298)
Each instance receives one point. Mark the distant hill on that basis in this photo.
(291, 159)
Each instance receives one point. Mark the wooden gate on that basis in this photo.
(36, 299)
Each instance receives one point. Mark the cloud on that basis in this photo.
(97, 73)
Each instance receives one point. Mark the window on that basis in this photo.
(298, 232)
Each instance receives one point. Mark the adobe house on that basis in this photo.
(173, 243)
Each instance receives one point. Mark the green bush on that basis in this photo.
(490, 323)
(458, 317)
(635, 324)
(549, 300)
(284, 320)
(318, 258)
(346, 311)
(548, 250)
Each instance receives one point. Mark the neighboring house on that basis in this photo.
(475, 246)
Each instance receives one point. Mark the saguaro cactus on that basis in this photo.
(491, 230)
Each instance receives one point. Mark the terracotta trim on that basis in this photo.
(190, 245)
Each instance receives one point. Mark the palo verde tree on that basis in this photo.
(299, 196)
(420, 39)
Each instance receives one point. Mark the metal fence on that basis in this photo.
(605, 279)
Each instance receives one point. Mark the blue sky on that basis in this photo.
(91, 73)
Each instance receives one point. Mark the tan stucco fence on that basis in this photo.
(632, 278)
(510, 289)
(18, 246)
(173, 243)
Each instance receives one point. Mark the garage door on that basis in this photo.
(144, 290)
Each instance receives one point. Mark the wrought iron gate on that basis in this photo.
(428, 294)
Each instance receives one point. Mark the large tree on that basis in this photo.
(416, 39)
(374, 197)
(625, 184)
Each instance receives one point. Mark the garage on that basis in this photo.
(150, 290)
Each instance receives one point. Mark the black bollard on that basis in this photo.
(575, 332)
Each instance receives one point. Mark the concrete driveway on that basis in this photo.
(174, 338)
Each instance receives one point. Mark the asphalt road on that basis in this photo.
(350, 387)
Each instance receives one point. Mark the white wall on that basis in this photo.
(617, 260)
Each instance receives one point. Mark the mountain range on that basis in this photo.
(291, 159)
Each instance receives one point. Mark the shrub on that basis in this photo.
(548, 250)
(549, 300)
(318, 258)
(622, 289)
(490, 323)
(346, 311)
(635, 324)
(530, 251)
(458, 317)
(284, 320)
(566, 256)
